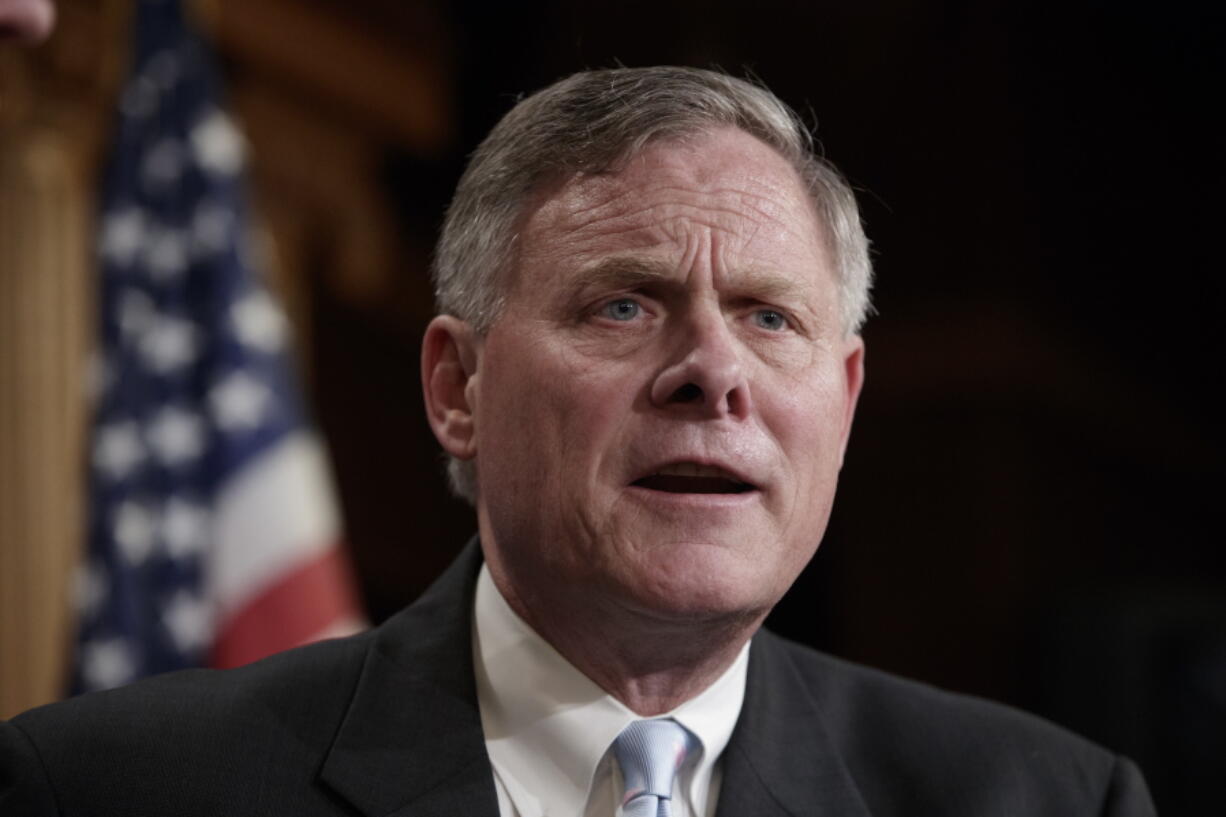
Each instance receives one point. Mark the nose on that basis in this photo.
(707, 375)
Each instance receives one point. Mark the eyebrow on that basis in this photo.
(622, 272)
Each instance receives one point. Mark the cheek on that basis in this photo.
(548, 418)
(803, 409)
(806, 421)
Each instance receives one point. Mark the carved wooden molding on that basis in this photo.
(399, 92)
(55, 112)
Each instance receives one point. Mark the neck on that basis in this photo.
(651, 663)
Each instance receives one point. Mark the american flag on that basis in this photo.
(213, 533)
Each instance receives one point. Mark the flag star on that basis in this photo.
(134, 531)
(239, 402)
(91, 587)
(139, 99)
(212, 228)
(176, 436)
(107, 663)
(188, 619)
(123, 232)
(170, 344)
(184, 528)
(136, 312)
(217, 144)
(258, 322)
(163, 69)
(166, 254)
(118, 449)
(163, 164)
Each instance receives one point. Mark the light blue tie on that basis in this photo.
(649, 754)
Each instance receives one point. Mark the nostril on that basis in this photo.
(687, 393)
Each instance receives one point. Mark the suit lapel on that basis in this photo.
(411, 742)
(781, 760)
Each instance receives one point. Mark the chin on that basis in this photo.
(705, 581)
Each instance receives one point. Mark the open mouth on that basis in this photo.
(691, 478)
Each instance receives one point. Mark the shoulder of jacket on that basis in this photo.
(199, 702)
(854, 696)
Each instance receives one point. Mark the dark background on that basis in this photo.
(1028, 510)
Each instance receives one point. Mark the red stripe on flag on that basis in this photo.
(289, 612)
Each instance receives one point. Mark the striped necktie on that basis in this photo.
(649, 754)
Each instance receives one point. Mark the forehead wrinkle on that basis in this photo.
(584, 200)
(747, 217)
(736, 205)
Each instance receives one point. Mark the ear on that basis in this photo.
(449, 356)
(853, 380)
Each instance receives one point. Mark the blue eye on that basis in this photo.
(770, 319)
(623, 309)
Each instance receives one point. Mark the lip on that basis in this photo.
(682, 501)
(676, 499)
(731, 470)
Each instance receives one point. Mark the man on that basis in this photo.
(644, 370)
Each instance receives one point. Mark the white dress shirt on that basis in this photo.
(549, 728)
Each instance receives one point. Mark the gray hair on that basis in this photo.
(591, 122)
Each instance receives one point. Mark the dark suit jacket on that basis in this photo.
(386, 723)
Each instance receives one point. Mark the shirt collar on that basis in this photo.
(547, 725)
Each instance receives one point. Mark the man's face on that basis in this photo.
(661, 408)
